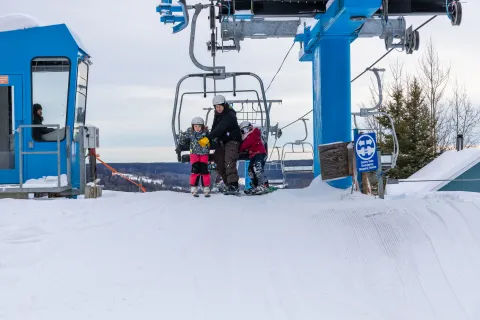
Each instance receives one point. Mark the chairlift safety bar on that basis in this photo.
(222, 76)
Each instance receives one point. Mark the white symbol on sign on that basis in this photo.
(365, 147)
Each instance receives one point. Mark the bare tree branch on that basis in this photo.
(434, 79)
(464, 118)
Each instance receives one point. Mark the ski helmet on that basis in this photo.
(197, 120)
(245, 126)
(218, 100)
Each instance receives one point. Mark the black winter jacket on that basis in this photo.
(225, 126)
(38, 132)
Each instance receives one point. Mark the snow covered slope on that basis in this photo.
(312, 254)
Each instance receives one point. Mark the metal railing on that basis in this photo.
(59, 173)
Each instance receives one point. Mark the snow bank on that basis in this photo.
(20, 21)
(47, 182)
(286, 255)
(139, 178)
(13, 22)
(44, 182)
(447, 166)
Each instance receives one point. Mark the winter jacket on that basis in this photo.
(38, 132)
(191, 137)
(225, 126)
(252, 141)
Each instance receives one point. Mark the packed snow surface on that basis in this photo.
(316, 253)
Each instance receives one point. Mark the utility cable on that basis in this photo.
(361, 74)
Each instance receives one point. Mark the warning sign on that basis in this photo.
(3, 79)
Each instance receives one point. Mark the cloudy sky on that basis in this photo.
(138, 62)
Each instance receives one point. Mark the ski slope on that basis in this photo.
(316, 253)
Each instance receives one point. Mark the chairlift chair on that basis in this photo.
(389, 161)
(273, 169)
(262, 109)
(297, 169)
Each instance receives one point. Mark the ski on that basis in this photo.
(269, 190)
(238, 194)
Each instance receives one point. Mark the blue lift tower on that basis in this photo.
(327, 28)
(43, 94)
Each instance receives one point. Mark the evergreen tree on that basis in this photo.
(410, 114)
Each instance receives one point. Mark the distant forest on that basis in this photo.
(169, 176)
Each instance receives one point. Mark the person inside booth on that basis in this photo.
(38, 132)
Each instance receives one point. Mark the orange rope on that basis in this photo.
(115, 171)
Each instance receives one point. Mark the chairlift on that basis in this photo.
(273, 169)
(306, 148)
(389, 161)
(214, 72)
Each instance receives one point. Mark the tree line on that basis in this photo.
(427, 121)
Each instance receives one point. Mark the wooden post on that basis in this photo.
(365, 183)
(354, 169)
(381, 189)
(93, 190)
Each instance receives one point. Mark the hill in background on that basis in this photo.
(175, 176)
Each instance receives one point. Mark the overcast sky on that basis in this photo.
(138, 62)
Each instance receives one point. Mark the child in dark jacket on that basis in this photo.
(198, 155)
(252, 141)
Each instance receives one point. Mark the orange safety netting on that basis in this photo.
(116, 172)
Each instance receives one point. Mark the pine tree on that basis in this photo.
(410, 114)
(421, 137)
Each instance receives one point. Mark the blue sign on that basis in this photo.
(366, 152)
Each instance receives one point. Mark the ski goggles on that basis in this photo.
(245, 130)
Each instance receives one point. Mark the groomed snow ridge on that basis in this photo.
(316, 253)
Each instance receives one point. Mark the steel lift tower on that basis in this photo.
(329, 27)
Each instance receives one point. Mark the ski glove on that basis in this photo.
(204, 142)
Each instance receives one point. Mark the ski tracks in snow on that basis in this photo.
(284, 255)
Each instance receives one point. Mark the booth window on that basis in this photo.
(50, 85)
(7, 135)
(81, 105)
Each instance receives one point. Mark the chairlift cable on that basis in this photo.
(281, 65)
(297, 119)
(361, 74)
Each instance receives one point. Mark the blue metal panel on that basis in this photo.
(11, 176)
(75, 154)
(18, 48)
(331, 97)
(342, 18)
(470, 186)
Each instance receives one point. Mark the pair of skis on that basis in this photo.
(239, 194)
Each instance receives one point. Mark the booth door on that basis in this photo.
(11, 116)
